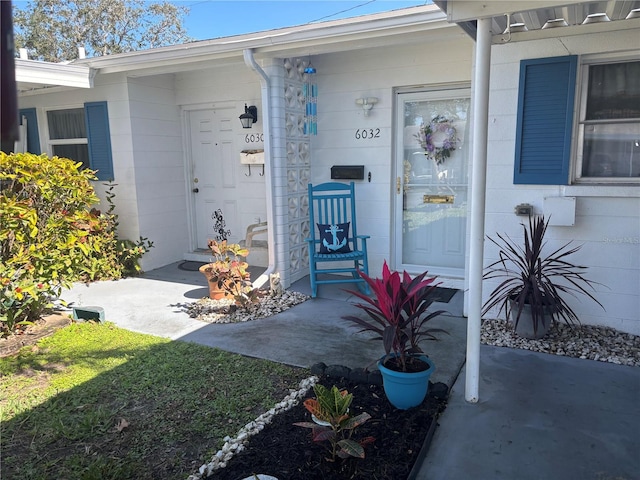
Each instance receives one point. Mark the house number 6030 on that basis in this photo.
(254, 137)
(364, 133)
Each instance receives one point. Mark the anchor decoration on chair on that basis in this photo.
(337, 244)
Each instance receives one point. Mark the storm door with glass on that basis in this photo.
(432, 175)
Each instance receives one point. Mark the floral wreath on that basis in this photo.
(440, 124)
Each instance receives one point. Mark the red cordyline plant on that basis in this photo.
(398, 313)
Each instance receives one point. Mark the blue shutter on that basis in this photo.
(545, 118)
(97, 121)
(33, 138)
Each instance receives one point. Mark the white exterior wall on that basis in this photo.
(607, 217)
(344, 77)
(145, 125)
(159, 172)
(113, 89)
(232, 85)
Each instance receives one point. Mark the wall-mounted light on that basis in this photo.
(249, 117)
(367, 104)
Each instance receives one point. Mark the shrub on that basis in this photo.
(109, 256)
(50, 236)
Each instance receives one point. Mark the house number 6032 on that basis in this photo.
(365, 133)
(254, 137)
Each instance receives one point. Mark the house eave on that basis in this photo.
(534, 14)
(327, 37)
(33, 75)
(460, 11)
(569, 31)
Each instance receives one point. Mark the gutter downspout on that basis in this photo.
(265, 83)
(478, 191)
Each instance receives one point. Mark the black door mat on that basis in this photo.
(193, 266)
(190, 266)
(444, 295)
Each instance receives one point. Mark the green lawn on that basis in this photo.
(94, 401)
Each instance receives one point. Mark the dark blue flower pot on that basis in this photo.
(406, 390)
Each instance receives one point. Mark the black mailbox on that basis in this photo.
(347, 172)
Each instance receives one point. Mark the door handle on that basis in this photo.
(195, 190)
(397, 184)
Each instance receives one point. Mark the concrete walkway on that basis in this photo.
(301, 336)
(539, 416)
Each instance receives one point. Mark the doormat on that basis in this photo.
(444, 295)
(190, 266)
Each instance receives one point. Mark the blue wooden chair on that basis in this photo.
(334, 236)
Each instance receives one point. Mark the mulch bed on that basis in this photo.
(30, 334)
(287, 452)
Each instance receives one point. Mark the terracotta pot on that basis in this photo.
(215, 293)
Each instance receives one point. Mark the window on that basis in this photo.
(609, 127)
(68, 135)
(82, 134)
(607, 150)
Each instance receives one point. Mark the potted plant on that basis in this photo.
(531, 293)
(398, 316)
(228, 274)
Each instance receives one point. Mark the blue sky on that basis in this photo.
(221, 18)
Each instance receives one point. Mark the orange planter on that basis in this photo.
(215, 293)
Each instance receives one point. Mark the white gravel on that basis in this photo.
(604, 344)
(225, 311)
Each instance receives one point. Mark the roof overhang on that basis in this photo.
(34, 75)
(535, 13)
(398, 27)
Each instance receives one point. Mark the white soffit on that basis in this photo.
(534, 14)
(33, 74)
(466, 10)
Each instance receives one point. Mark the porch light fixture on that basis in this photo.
(367, 104)
(249, 117)
(555, 23)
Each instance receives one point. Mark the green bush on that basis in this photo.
(50, 236)
(120, 257)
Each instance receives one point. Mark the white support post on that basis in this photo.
(478, 190)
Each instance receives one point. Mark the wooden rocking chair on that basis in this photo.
(334, 236)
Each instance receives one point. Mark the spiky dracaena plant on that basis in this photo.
(535, 279)
(398, 313)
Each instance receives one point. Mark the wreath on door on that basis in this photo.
(438, 138)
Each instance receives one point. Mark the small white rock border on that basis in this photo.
(237, 444)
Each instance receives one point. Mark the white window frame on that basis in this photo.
(63, 141)
(581, 107)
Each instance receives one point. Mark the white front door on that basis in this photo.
(431, 181)
(213, 178)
